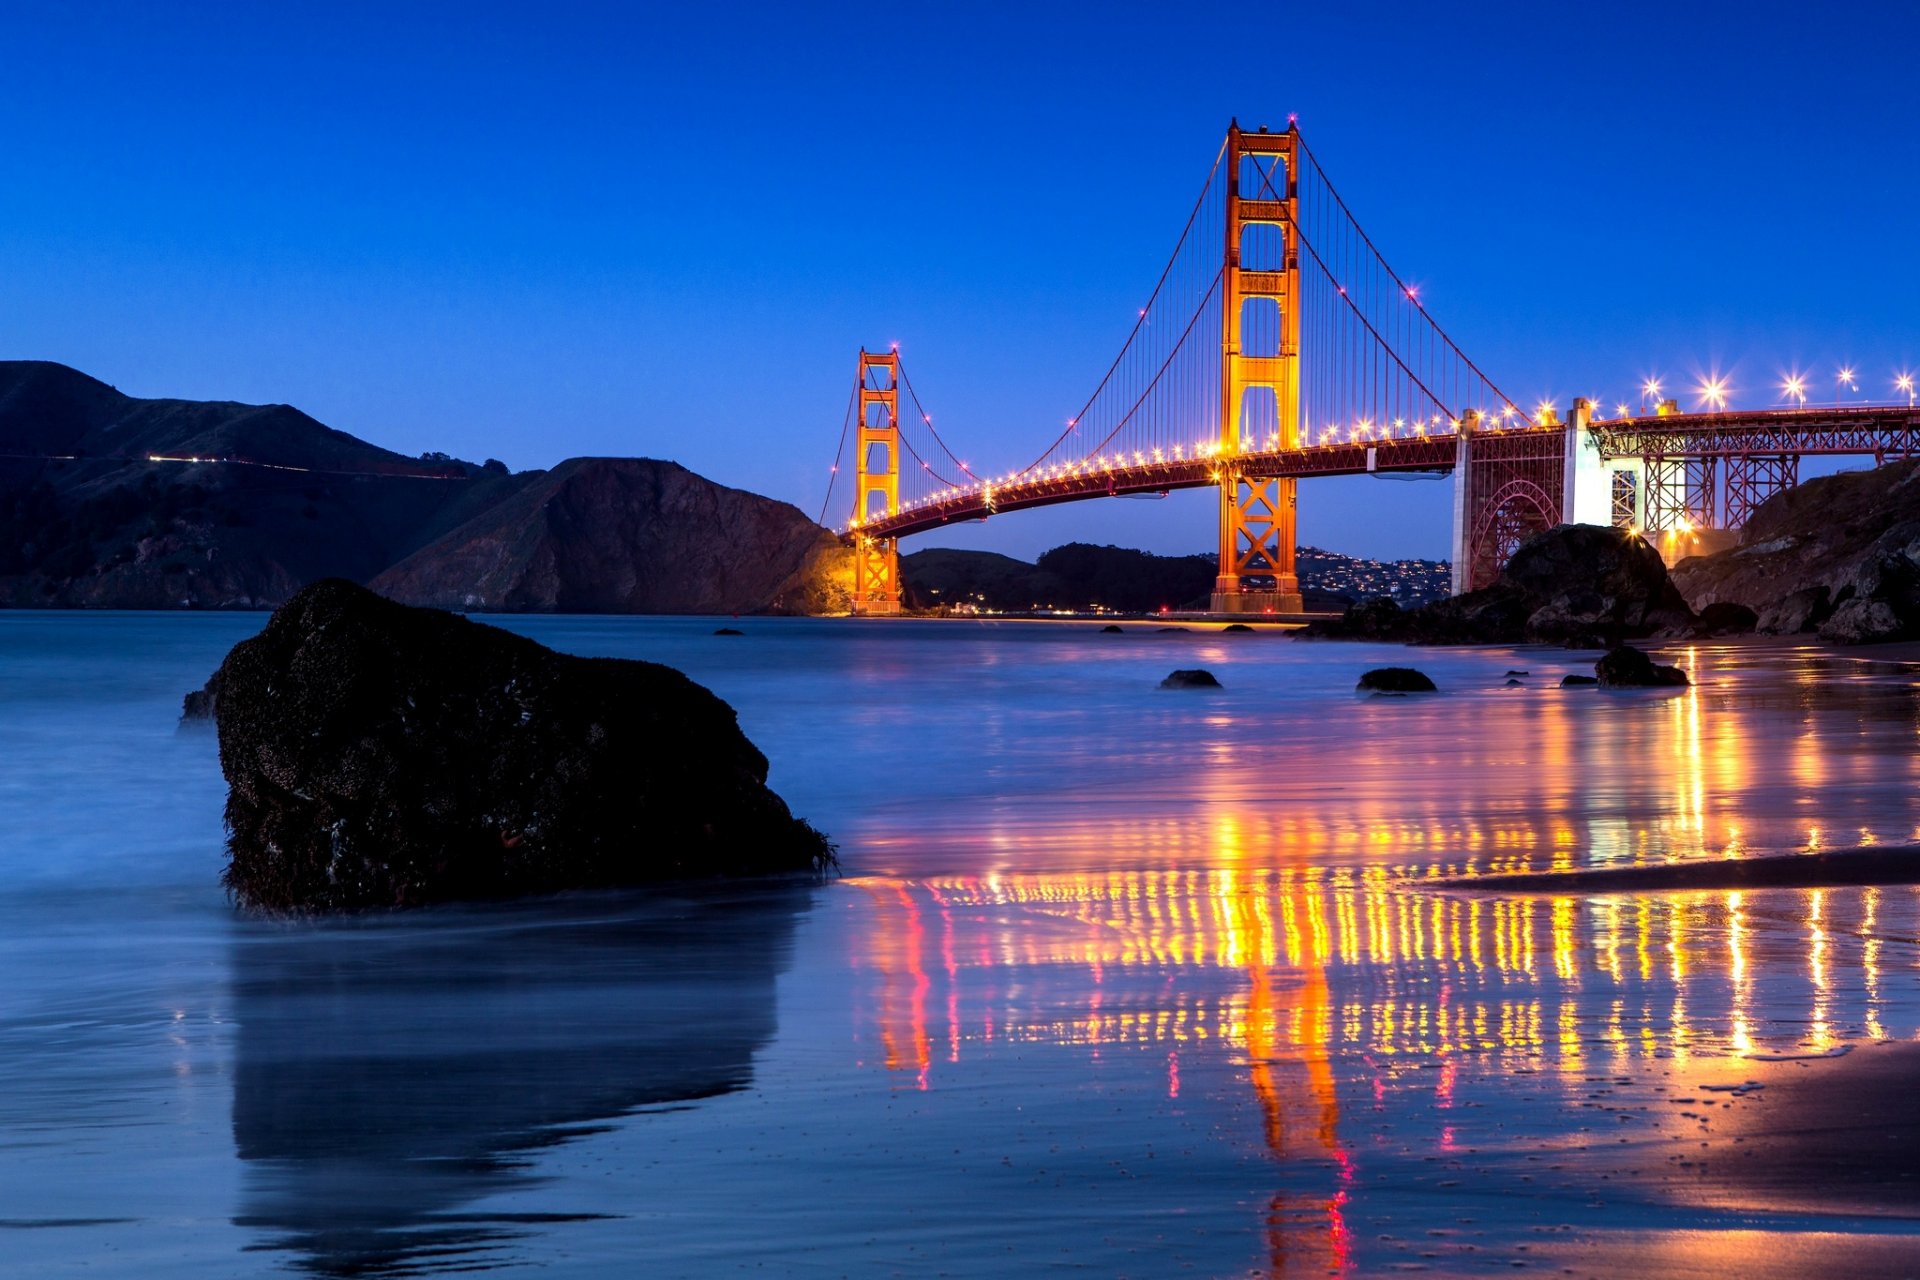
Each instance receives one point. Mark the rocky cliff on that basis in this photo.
(629, 535)
(1839, 555)
(1579, 585)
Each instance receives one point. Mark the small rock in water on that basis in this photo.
(729, 631)
(1236, 626)
(1194, 679)
(1173, 628)
(1395, 680)
(1110, 628)
(1629, 668)
(1516, 684)
(1568, 682)
(1519, 673)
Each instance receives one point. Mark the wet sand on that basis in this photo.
(1836, 868)
(1833, 1134)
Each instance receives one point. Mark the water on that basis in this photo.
(1117, 981)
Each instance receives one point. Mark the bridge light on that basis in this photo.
(1714, 392)
(1651, 389)
(1905, 383)
(1795, 388)
(1621, 410)
(1847, 378)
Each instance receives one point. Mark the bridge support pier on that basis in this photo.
(1507, 486)
(1258, 527)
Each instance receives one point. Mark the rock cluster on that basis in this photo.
(1582, 586)
(1838, 555)
(379, 755)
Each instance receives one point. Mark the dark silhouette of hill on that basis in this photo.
(628, 535)
(1077, 576)
(113, 501)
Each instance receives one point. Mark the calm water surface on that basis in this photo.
(1117, 981)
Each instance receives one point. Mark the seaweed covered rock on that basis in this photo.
(201, 703)
(380, 755)
(1628, 668)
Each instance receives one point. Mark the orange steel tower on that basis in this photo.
(876, 564)
(1257, 516)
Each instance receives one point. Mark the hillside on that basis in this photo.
(1838, 555)
(628, 535)
(112, 501)
(1083, 577)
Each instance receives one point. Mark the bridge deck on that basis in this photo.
(1415, 453)
(1855, 430)
(1879, 430)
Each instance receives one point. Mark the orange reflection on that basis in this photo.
(1302, 976)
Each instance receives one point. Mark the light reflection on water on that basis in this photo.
(1328, 989)
(1119, 979)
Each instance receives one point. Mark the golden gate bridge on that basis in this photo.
(1278, 345)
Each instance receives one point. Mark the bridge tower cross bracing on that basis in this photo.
(1258, 516)
(876, 562)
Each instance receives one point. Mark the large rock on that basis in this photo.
(1839, 555)
(1583, 586)
(379, 755)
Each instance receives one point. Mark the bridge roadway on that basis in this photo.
(1114, 479)
(1877, 430)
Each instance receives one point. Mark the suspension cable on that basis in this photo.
(839, 453)
(1155, 381)
(928, 419)
(1140, 321)
(1401, 284)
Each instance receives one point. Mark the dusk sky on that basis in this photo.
(533, 232)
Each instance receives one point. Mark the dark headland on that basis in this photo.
(111, 501)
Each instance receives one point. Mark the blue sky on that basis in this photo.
(531, 232)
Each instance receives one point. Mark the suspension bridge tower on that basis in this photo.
(1257, 516)
(876, 563)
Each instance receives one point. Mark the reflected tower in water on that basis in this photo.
(393, 1073)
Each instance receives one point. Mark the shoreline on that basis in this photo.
(1856, 867)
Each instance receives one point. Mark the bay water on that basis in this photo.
(1113, 980)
